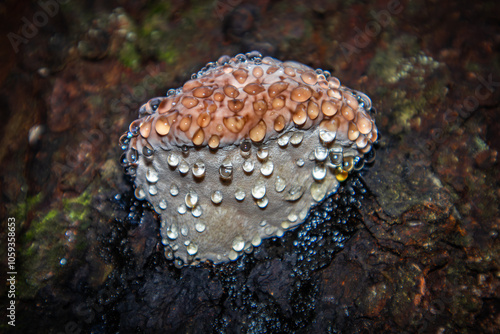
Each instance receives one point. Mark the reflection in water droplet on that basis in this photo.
(174, 190)
(192, 248)
(199, 169)
(239, 195)
(238, 244)
(217, 197)
(173, 160)
(267, 168)
(200, 227)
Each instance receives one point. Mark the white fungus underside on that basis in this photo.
(231, 221)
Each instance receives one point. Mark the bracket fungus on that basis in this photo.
(242, 151)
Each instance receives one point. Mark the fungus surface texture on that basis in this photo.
(242, 151)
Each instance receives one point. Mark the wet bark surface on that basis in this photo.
(410, 244)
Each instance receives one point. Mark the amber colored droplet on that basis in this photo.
(300, 115)
(258, 132)
(234, 123)
(278, 102)
(189, 102)
(366, 149)
(204, 119)
(185, 123)
(331, 125)
(352, 132)
(317, 94)
(253, 89)
(172, 117)
(271, 70)
(231, 91)
(309, 77)
(214, 141)
(135, 125)
(364, 124)
(165, 106)
(145, 129)
(334, 82)
(276, 88)
(190, 85)
(212, 108)
(240, 75)
(361, 142)
(162, 126)
(257, 72)
(351, 101)
(289, 71)
(235, 105)
(202, 92)
(328, 108)
(301, 94)
(323, 84)
(218, 97)
(334, 93)
(198, 137)
(279, 123)
(260, 107)
(219, 128)
(312, 110)
(347, 112)
(340, 174)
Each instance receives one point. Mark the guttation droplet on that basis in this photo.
(259, 191)
(183, 167)
(182, 209)
(267, 168)
(280, 184)
(319, 172)
(173, 232)
(199, 169)
(173, 160)
(162, 204)
(153, 190)
(200, 227)
(296, 138)
(248, 166)
(320, 153)
(197, 211)
(151, 176)
(174, 190)
(191, 199)
(239, 195)
(217, 197)
(192, 248)
(284, 139)
(262, 203)
(139, 193)
(238, 244)
(226, 170)
(262, 153)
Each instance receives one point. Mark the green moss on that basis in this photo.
(165, 39)
(41, 251)
(78, 208)
(129, 56)
(44, 242)
(402, 59)
(22, 209)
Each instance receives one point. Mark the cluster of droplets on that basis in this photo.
(337, 115)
